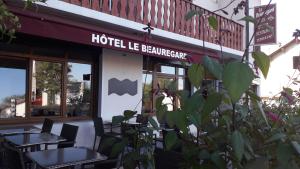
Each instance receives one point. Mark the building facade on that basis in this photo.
(78, 59)
(279, 78)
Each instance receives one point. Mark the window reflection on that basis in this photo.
(79, 89)
(166, 83)
(13, 89)
(166, 69)
(147, 92)
(46, 88)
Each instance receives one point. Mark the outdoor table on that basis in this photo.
(18, 130)
(28, 140)
(64, 157)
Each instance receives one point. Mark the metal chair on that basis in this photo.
(13, 157)
(105, 147)
(69, 132)
(99, 129)
(167, 159)
(47, 126)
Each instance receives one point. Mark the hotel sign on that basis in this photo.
(62, 31)
(266, 30)
(135, 46)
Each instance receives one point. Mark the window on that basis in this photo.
(47, 78)
(13, 88)
(78, 89)
(46, 88)
(162, 76)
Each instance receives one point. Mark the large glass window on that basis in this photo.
(47, 78)
(78, 89)
(46, 88)
(13, 88)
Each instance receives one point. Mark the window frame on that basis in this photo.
(29, 57)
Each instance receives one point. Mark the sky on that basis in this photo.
(12, 82)
(288, 13)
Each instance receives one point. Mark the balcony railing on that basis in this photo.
(169, 15)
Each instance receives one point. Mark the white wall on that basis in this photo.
(207, 4)
(122, 66)
(280, 68)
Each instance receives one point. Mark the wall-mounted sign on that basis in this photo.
(266, 29)
(135, 46)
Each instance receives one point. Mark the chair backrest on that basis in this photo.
(167, 159)
(69, 132)
(13, 157)
(98, 124)
(47, 125)
(106, 145)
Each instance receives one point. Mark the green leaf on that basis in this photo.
(253, 96)
(237, 142)
(192, 13)
(180, 119)
(183, 96)
(213, 67)
(211, 104)
(227, 120)
(284, 154)
(129, 114)
(130, 160)
(196, 74)
(171, 139)
(194, 104)
(248, 19)
(262, 61)
(218, 160)
(117, 119)
(237, 78)
(259, 163)
(118, 148)
(276, 137)
(213, 22)
(153, 123)
(170, 118)
(106, 143)
(261, 110)
(158, 102)
(204, 154)
(195, 119)
(160, 108)
(172, 86)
